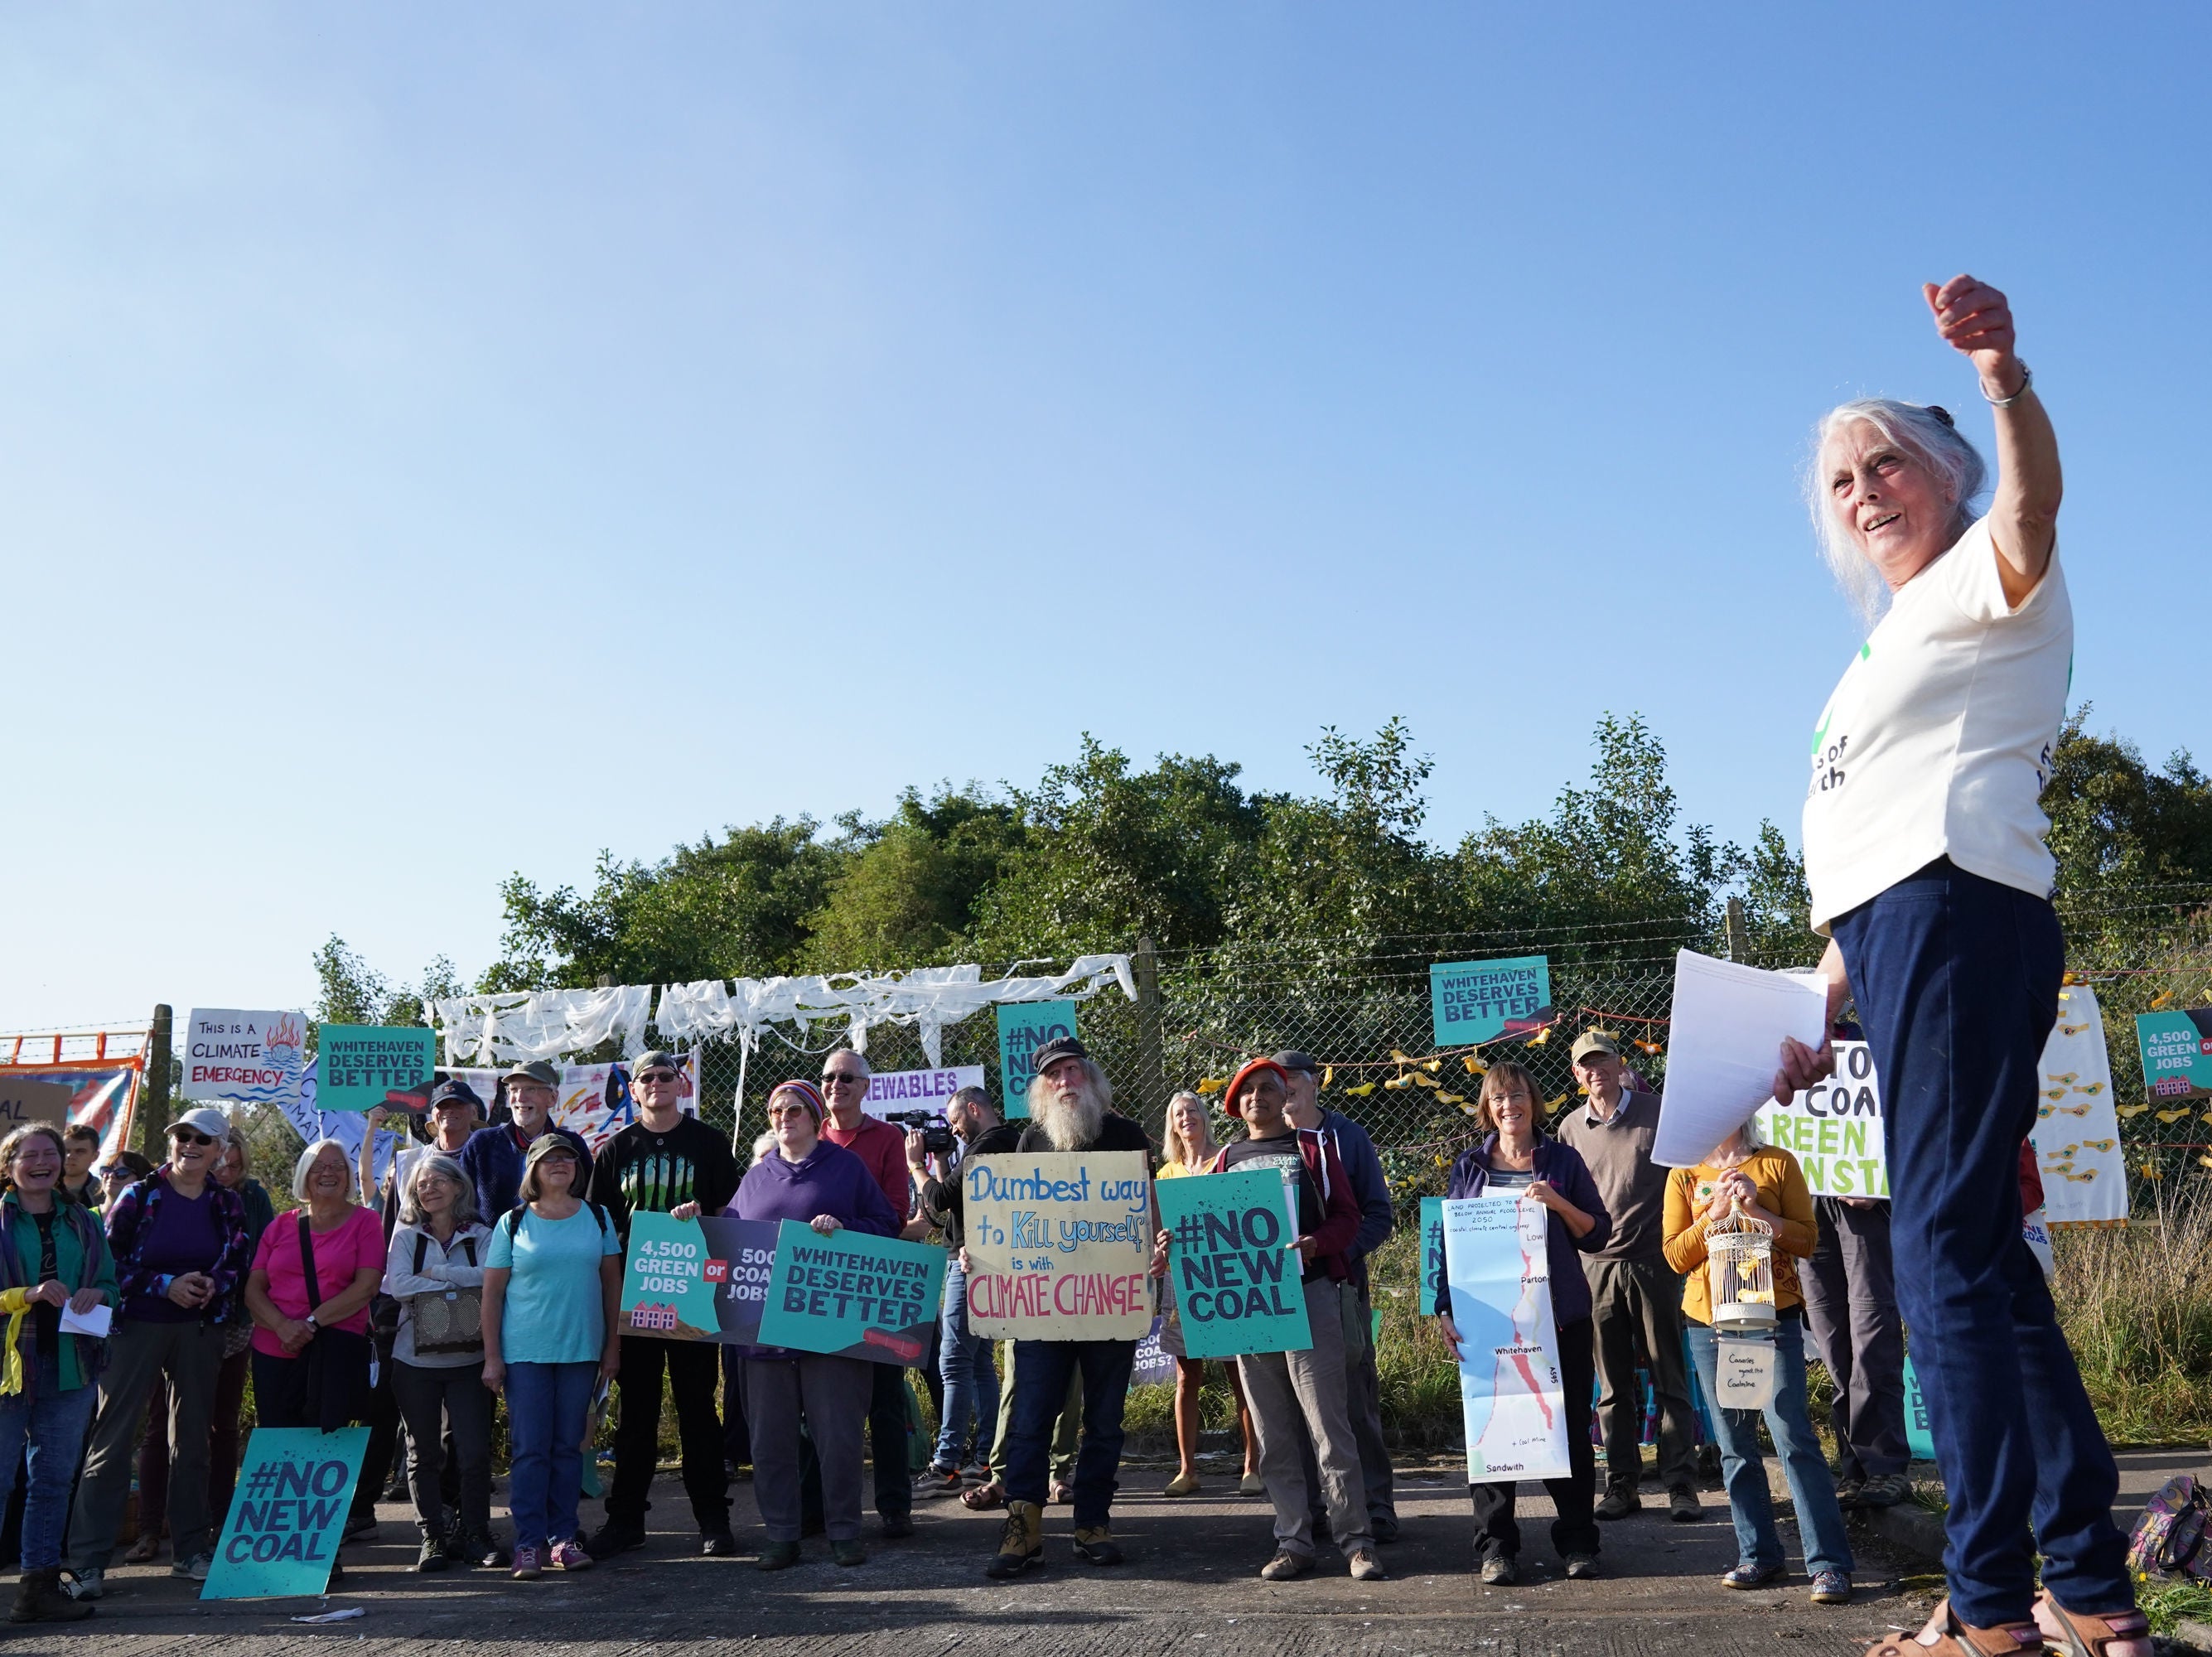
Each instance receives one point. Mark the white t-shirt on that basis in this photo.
(1937, 742)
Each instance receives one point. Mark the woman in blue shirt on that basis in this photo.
(550, 1284)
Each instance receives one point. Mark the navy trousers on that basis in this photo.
(1956, 980)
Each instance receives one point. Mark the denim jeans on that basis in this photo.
(1820, 1520)
(546, 1404)
(1957, 980)
(54, 1423)
(1043, 1369)
(971, 1380)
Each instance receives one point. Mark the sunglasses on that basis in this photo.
(185, 1136)
(665, 1077)
(774, 1111)
(831, 1077)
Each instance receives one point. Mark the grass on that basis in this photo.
(2136, 1305)
(2167, 1604)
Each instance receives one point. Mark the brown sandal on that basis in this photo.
(2089, 1635)
(985, 1497)
(146, 1549)
(1958, 1640)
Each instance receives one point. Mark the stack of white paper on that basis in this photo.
(1723, 1046)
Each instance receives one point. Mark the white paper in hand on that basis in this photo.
(96, 1322)
(1723, 1046)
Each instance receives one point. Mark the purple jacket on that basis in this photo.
(830, 1180)
(1562, 1167)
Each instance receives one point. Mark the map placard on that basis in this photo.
(703, 1279)
(1834, 1128)
(1510, 1386)
(1472, 1001)
(852, 1295)
(1059, 1243)
(1236, 1276)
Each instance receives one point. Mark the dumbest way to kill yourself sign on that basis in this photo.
(1059, 1243)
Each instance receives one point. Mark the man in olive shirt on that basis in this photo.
(1635, 1302)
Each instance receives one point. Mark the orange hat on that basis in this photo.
(1236, 1082)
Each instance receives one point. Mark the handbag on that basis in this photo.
(339, 1378)
(447, 1320)
(2169, 1538)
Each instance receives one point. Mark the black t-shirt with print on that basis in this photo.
(1282, 1155)
(642, 1168)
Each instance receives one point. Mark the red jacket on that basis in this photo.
(882, 1148)
(1339, 1208)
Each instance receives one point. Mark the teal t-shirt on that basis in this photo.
(552, 1310)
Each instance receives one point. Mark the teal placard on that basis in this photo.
(670, 1277)
(1472, 1001)
(282, 1533)
(1432, 1252)
(1919, 1437)
(1023, 1027)
(853, 1295)
(2177, 1052)
(362, 1065)
(1237, 1272)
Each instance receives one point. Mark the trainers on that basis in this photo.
(480, 1550)
(1621, 1501)
(1885, 1491)
(1366, 1567)
(1750, 1576)
(615, 1536)
(526, 1566)
(1683, 1506)
(89, 1583)
(848, 1550)
(197, 1567)
(777, 1556)
(1021, 1541)
(1581, 1567)
(568, 1554)
(1499, 1571)
(1095, 1544)
(1383, 1525)
(975, 1473)
(1286, 1565)
(935, 1483)
(432, 1555)
(1831, 1588)
(897, 1525)
(717, 1544)
(360, 1525)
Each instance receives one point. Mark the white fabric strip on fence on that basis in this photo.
(524, 1025)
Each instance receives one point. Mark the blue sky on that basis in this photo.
(439, 443)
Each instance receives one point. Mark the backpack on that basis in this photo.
(2168, 1540)
(514, 1220)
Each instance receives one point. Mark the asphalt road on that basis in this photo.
(1188, 1588)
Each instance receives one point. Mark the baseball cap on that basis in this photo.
(1059, 1047)
(549, 1145)
(1291, 1058)
(538, 1071)
(1591, 1041)
(206, 1120)
(655, 1060)
(454, 1088)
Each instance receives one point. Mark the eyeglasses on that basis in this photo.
(185, 1136)
(774, 1111)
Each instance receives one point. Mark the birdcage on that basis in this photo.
(1740, 1257)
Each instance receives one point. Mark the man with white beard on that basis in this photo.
(1068, 1099)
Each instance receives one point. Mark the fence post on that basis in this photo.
(153, 1098)
(1739, 935)
(1152, 1070)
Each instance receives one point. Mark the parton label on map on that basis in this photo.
(1510, 1391)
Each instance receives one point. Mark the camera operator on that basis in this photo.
(965, 1361)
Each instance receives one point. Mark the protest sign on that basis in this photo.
(1153, 1364)
(304, 1111)
(98, 1094)
(1510, 1391)
(2177, 1053)
(853, 1295)
(1834, 1128)
(282, 1533)
(2076, 1134)
(1059, 1243)
(1235, 1271)
(919, 1090)
(1432, 1252)
(362, 1066)
(703, 1279)
(252, 1056)
(1472, 1001)
(1919, 1435)
(1023, 1027)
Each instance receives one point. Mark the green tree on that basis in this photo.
(907, 892)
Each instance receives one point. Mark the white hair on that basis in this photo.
(1926, 435)
(300, 1170)
(1076, 1128)
(464, 1210)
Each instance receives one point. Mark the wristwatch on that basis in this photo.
(310, 1322)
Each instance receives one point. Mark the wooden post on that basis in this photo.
(1151, 1069)
(153, 1096)
(1739, 935)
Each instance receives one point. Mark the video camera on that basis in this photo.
(936, 1135)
